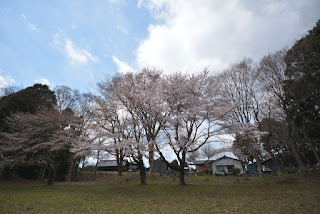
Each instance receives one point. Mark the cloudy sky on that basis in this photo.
(76, 43)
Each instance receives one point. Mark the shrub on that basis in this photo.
(235, 171)
(205, 172)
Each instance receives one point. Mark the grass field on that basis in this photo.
(299, 193)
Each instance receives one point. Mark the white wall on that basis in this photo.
(223, 163)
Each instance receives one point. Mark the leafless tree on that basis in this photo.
(239, 87)
(8, 89)
(272, 76)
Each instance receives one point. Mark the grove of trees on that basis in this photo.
(270, 107)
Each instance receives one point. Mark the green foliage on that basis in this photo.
(204, 172)
(62, 159)
(174, 163)
(38, 102)
(27, 100)
(89, 168)
(302, 86)
(235, 171)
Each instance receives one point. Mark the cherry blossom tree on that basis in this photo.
(82, 104)
(110, 124)
(138, 94)
(36, 139)
(194, 116)
(137, 146)
(28, 100)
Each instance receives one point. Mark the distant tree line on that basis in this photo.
(270, 107)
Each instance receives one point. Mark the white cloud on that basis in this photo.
(30, 26)
(118, 2)
(205, 33)
(33, 27)
(139, 4)
(122, 29)
(24, 17)
(122, 66)
(75, 54)
(43, 81)
(5, 80)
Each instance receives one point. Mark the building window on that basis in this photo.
(230, 167)
(219, 169)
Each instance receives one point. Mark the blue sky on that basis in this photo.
(68, 42)
(76, 43)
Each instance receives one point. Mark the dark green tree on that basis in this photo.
(28, 100)
(302, 91)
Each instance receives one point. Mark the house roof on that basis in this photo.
(224, 157)
(113, 163)
(158, 160)
(199, 162)
(269, 159)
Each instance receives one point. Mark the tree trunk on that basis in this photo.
(151, 157)
(298, 158)
(96, 166)
(119, 162)
(96, 169)
(315, 153)
(75, 169)
(276, 164)
(294, 147)
(259, 165)
(41, 173)
(51, 168)
(181, 177)
(51, 173)
(71, 169)
(182, 163)
(120, 167)
(2, 170)
(143, 176)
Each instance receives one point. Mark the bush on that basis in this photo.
(204, 172)
(89, 168)
(218, 174)
(235, 171)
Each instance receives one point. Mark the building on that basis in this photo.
(220, 165)
(161, 167)
(111, 165)
(225, 165)
(202, 165)
(267, 167)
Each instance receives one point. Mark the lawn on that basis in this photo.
(299, 193)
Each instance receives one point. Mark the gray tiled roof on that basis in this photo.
(109, 163)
